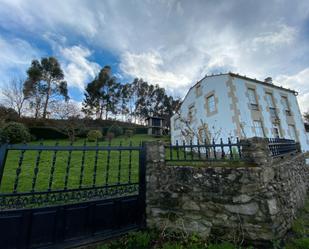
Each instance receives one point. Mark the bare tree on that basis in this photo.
(70, 113)
(13, 95)
(64, 110)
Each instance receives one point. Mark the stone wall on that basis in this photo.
(250, 201)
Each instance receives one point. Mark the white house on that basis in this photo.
(231, 105)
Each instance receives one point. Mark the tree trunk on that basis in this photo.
(47, 98)
(101, 112)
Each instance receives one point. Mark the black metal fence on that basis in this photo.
(280, 146)
(220, 151)
(38, 175)
(61, 196)
(206, 151)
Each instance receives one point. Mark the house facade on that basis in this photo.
(230, 105)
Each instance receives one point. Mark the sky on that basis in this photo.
(172, 43)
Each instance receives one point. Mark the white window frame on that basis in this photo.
(286, 105)
(258, 128)
(252, 99)
(293, 133)
(211, 103)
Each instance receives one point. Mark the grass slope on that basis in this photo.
(118, 171)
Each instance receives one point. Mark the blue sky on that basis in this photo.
(172, 43)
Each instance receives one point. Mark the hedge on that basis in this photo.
(47, 133)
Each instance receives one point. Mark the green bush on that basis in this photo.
(302, 243)
(224, 245)
(15, 133)
(141, 130)
(47, 133)
(110, 136)
(138, 240)
(170, 245)
(129, 133)
(2, 137)
(117, 130)
(94, 135)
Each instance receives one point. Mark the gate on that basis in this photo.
(54, 196)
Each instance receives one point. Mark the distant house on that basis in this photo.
(231, 105)
(155, 126)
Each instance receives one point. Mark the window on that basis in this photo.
(276, 131)
(252, 99)
(211, 104)
(156, 122)
(293, 132)
(271, 105)
(190, 113)
(258, 128)
(286, 105)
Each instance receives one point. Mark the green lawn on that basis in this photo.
(117, 168)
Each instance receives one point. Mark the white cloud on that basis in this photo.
(284, 35)
(77, 68)
(299, 82)
(15, 54)
(172, 43)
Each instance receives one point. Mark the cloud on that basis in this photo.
(77, 68)
(171, 42)
(16, 55)
(285, 35)
(299, 82)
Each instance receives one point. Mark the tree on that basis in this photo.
(13, 95)
(70, 114)
(7, 114)
(45, 82)
(102, 95)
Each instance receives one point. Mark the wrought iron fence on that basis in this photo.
(281, 146)
(206, 151)
(35, 175)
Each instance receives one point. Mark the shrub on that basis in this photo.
(301, 243)
(141, 130)
(47, 133)
(117, 130)
(170, 245)
(129, 133)
(224, 245)
(94, 135)
(16, 133)
(138, 240)
(110, 136)
(2, 137)
(8, 114)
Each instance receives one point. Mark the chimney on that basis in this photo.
(269, 80)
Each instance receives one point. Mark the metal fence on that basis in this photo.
(206, 151)
(36, 175)
(280, 146)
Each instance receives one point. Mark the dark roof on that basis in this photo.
(307, 127)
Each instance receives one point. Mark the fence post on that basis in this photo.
(155, 158)
(3, 154)
(256, 150)
(142, 183)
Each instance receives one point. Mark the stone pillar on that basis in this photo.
(155, 159)
(256, 150)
